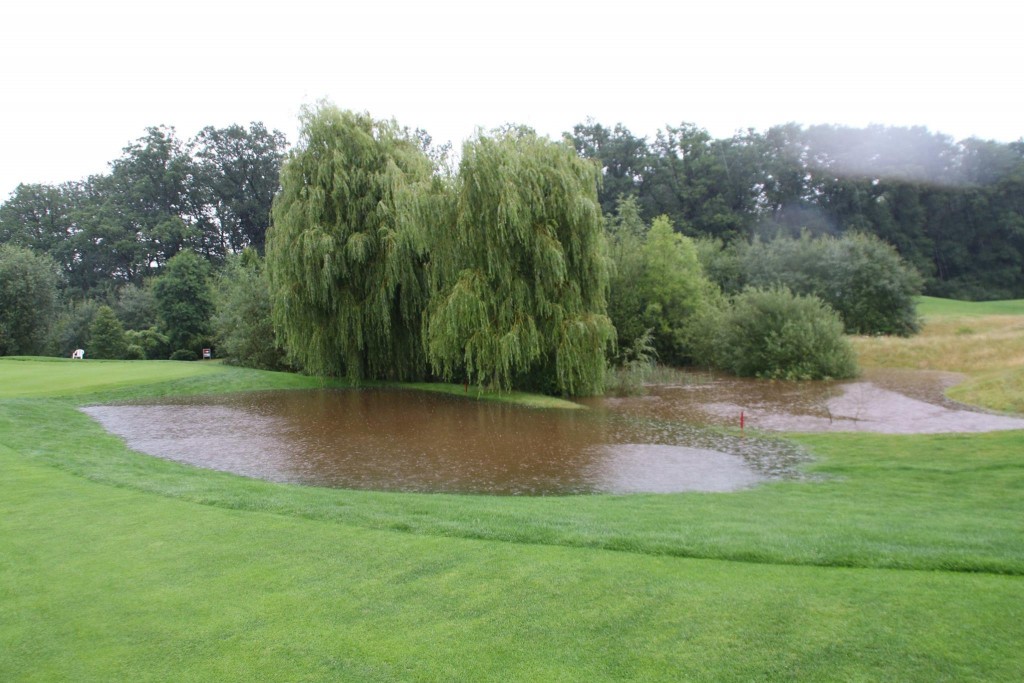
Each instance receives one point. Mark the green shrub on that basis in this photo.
(636, 366)
(151, 342)
(184, 354)
(861, 277)
(106, 336)
(134, 352)
(774, 334)
(70, 331)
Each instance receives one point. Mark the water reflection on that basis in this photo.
(412, 441)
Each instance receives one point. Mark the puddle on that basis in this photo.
(668, 441)
(414, 441)
(882, 401)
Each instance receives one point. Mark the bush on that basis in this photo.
(774, 334)
(861, 277)
(150, 342)
(184, 354)
(106, 336)
(636, 366)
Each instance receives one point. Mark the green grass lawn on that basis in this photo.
(902, 560)
(932, 307)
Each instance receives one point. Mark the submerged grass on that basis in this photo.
(115, 565)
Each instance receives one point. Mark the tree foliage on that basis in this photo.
(657, 285)
(953, 210)
(861, 277)
(347, 250)
(184, 302)
(774, 334)
(521, 277)
(237, 176)
(163, 195)
(243, 323)
(28, 299)
(106, 336)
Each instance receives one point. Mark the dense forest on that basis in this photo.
(524, 262)
(955, 210)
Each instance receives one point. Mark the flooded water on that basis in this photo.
(882, 401)
(670, 440)
(414, 441)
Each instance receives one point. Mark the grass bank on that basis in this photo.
(983, 340)
(905, 561)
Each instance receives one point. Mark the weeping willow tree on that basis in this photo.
(520, 278)
(346, 252)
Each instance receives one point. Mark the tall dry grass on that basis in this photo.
(989, 349)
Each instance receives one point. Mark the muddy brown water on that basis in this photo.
(881, 401)
(668, 441)
(415, 441)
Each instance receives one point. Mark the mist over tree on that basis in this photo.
(952, 209)
(521, 279)
(347, 250)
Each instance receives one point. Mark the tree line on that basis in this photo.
(210, 195)
(954, 210)
(533, 264)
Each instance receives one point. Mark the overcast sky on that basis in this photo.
(83, 78)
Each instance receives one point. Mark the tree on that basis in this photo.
(238, 173)
(28, 298)
(347, 250)
(521, 277)
(154, 198)
(35, 217)
(70, 329)
(184, 302)
(622, 156)
(658, 284)
(136, 306)
(626, 235)
(106, 336)
(673, 288)
(243, 323)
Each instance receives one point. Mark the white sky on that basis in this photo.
(83, 78)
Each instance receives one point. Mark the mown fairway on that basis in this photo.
(904, 561)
